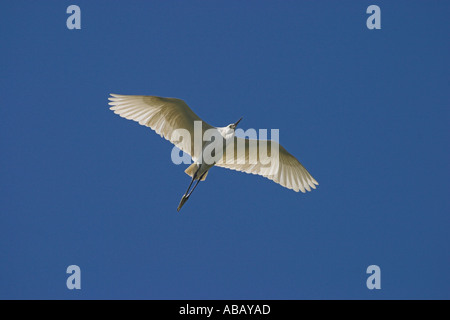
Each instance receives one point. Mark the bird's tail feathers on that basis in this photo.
(192, 169)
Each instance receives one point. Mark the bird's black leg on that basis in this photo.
(199, 179)
(187, 195)
(190, 184)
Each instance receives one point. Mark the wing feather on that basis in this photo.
(163, 115)
(283, 168)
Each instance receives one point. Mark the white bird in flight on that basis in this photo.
(166, 115)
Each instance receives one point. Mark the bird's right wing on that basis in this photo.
(163, 115)
(268, 159)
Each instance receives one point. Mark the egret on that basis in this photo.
(167, 116)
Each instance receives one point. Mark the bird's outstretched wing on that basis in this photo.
(282, 167)
(164, 115)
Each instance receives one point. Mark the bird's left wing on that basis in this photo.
(163, 115)
(268, 159)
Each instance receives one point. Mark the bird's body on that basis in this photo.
(207, 159)
(211, 146)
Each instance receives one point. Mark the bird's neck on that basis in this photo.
(226, 133)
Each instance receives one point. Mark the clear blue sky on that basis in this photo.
(366, 111)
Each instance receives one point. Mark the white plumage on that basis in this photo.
(166, 115)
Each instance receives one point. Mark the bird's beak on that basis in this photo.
(235, 125)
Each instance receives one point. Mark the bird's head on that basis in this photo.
(234, 125)
(228, 131)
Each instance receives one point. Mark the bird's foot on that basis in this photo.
(183, 200)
